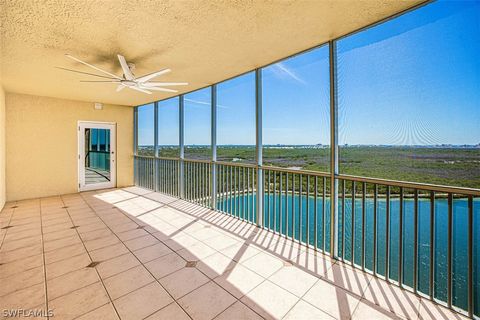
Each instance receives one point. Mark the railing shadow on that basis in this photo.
(347, 280)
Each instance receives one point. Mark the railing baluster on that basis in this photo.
(293, 206)
(343, 219)
(415, 242)
(280, 200)
(274, 200)
(364, 222)
(324, 214)
(238, 191)
(315, 212)
(353, 224)
(400, 241)
(470, 257)
(244, 209)
(248, 196)
(307, 208)
(450, 249)
(387, 235)
(230, 189)
(375, 196)
(300, 213)
(286, 204)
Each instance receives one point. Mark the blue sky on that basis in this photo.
(414, 80)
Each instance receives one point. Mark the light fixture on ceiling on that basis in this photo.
(128, 79)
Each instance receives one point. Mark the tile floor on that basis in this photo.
(134, 254)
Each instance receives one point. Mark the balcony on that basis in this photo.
(137, 254)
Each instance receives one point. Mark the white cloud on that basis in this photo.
(205, 103)
(282, 69)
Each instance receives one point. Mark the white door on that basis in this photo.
(96, 155)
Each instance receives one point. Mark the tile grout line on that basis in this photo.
(96, 271)
(260, 249)
(9, 221)
(43, 259)
(244, 294)
(175, 252)
(88, 204)
(267, 279)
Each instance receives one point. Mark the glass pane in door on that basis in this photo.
(97, 155)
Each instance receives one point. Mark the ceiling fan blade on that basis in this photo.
(141, 90)
(159, 89)
(126, 70)
(120, 87)
(152, 75)
(164, 84)
(92, 66)
(110, 81)
(90, 74)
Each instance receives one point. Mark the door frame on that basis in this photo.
(81, 126)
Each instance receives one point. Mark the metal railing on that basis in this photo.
(417, 236)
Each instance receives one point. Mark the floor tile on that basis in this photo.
(264, 264)
(348, 278)
(21, 280)
(432, 311)
(64, 253)
(270, 301)
(152, 252)
(142, 302)
(366, 311)
(305, 311)
(67, 265)
(141, 242)
(105, 312)
(196, 252)
(25, 298)
(293, 279)
(392, 298)
(172, 311)
(333, 300)
(70, 282)
(101, 242)
(61, 243)
(183, 281)
(128, 281)
(17, 266)
(109, 252)
(165, 265)
(117, 265)
(207, 301)
(239, 280)
(215, 265)
(79, 302)
(239, 311)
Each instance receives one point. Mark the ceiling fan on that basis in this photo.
(128, 79)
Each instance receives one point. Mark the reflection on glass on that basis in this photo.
(409, 97)
(97, 155)
(296, 106)
(146, 130)
(168, 128)
(197, 124)
(236, 119)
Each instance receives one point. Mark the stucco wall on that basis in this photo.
(42, 139)
(2, 148)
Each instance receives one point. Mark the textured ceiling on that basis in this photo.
(203, 42)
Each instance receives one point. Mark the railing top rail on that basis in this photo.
(297, 171)
(412, 185)
(379, 181)
(197, 160)
(236, 164)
